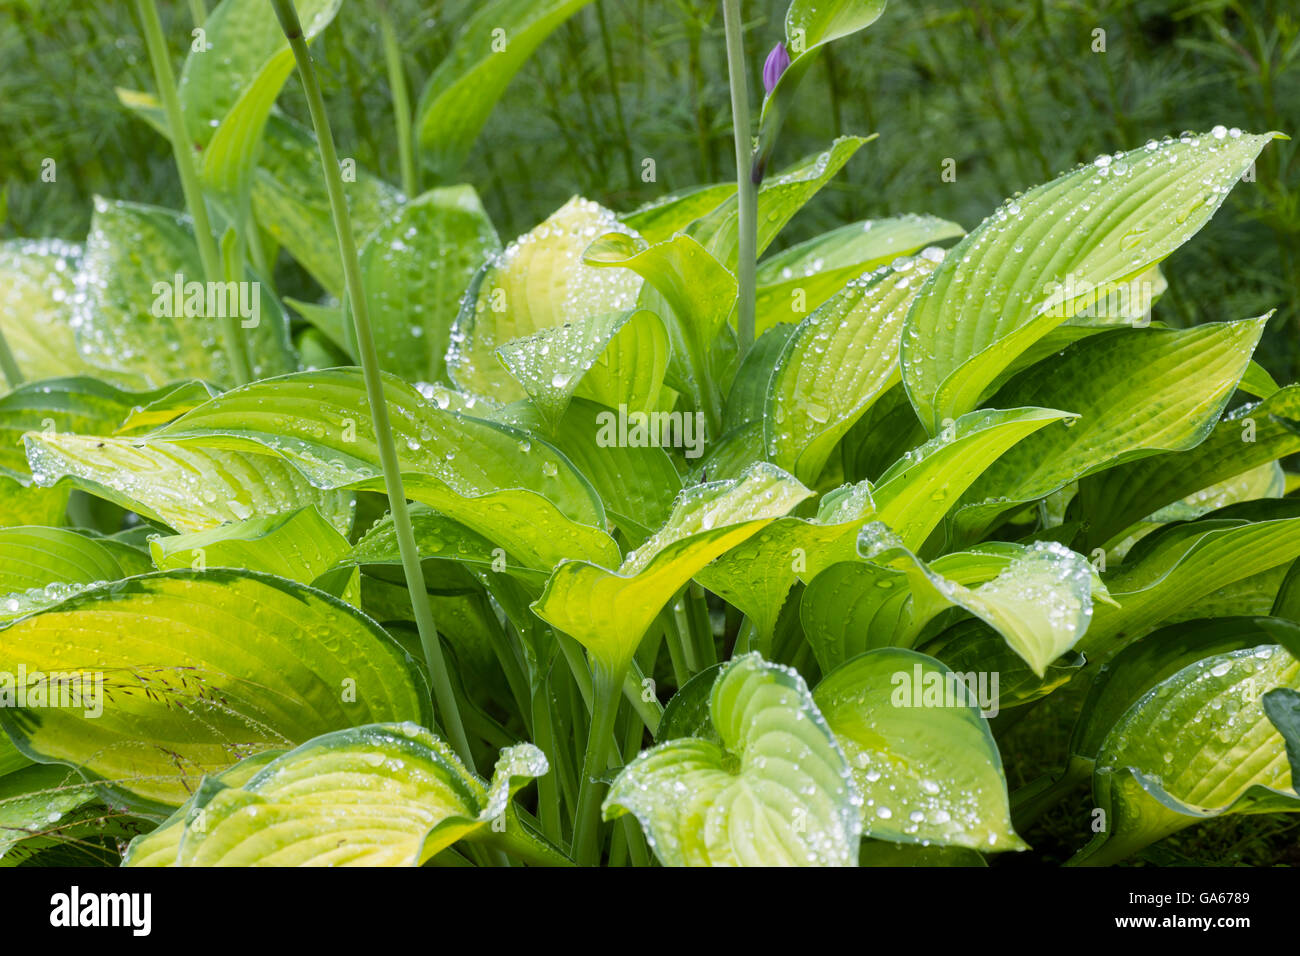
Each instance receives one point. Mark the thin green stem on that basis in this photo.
(606, 688)
(443, 694)
(746, 175)
(198, 12)
(608, 47)
(401, 101)
(209, 255)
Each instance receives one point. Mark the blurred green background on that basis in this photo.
(1012, 92)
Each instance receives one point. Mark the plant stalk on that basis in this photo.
(8, 364)
(444, 696)
(194, 202)
(401, 101)
(746, 175)
(606, 691)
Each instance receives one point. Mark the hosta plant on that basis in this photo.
(629, 540)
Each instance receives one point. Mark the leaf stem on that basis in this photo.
(607, 689)
(401, 101)
(443, 694)
(194, 202)
(8, 365)
(746, 184)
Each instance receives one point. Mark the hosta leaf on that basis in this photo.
(160, 846)
(748, 394)
(1136, 392)
(1040, 601)
(552, 363)
(127, 319)
(837, 362)
(185, 487)
(80, 405)
(885, 433)
(538, 282)
(757, 575)
(230, 663)
(1017, 274)
(227, 89)
(379, 795)
(466, 85)
(608, 612)
(38, 283)
(775, 792)
(298, 545)
(1170, 570)
(35, 799)
(30, 504)
(973, 646)
(415, 267)
(662, 218)
(1248, 437)
(921, 753)
(914, 493)
(40, 566)
(630, 371)
(509, 486)
(689, 289)
(797, 280)
(779, 198)
(291, 203)
(1282, 705)
(1123, 679)
(1196, 745)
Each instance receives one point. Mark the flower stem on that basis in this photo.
(746, 187)
(443, 694)
(209, 255)
(401, 101)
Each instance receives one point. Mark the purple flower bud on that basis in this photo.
(776, 64)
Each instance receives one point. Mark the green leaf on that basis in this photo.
(837, 362)
(797, 280)
(160, 846)
(466, 85)
(1248, 437)
(38, 284)
(1040, 600)
(914, 494)
(185, 487)
(608, 612)
(227, 89)
(378, 795)
(748, 394)
(756, 575)
(775, 792)
(666, 216)
(1135, 391)
(1017, 275)
(128, 321)
(33, 801)
(1172, 569)
(779, 198)
(41, 566)
(415, 267)
(552, 363)
(291, 204)
(1282, 705)
(22, 505)
(921, 753)
(230, 663)
(971, 646)
(298, 545)
(538, 282)
(1160, 769)
(508, 485)
(690, 290)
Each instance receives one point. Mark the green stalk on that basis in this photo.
(198, 210)
(198, 12)
(746, 182)
(443, 694)
(401, 101)
(8, 365)
(606, 689)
